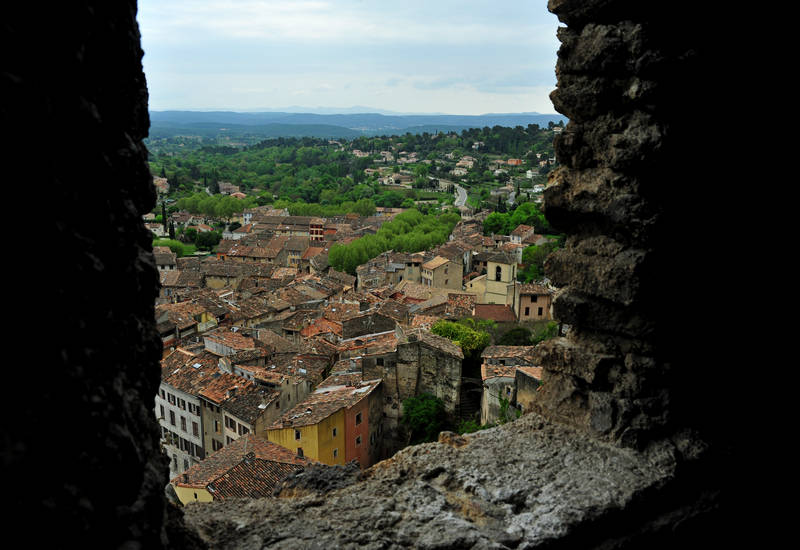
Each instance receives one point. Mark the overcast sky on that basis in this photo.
(423, 56)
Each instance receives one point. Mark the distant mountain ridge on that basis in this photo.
(327, 125)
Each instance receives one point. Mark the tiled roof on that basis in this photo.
(251, 478)
(340, 311)
(495, 312)
(169, 278)
(507, 351)
(437, 342)
(187, 372)
(535, 372)
(438, 261)
(496, 371)
(532, 288)
(231, 339)
(282, 272)
(394, 310)
(181, 314)
(324, 402)
(219, 384)
(460, 304)
(522, 230)
(321, 326)
(423, 321)
(216, 465)
(249, 401)
(311, 252)
(275, 342)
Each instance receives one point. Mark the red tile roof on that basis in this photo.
(217, 465)
(495, 312)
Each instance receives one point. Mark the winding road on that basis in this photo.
(461, 196)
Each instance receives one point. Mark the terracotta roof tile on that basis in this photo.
(216, 465)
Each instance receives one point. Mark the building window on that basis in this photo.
(379, 361)
(300, 452)
(183, 423)
(498, 273)
(228, 440)
(540, 312)
(216, 445)
(216, 426)
(358, 419)
(446, 281)
(162, 394)
(358, 440)
(334, 432)
(297, 435)
(527, 311)
(185, 464)
(162, 411)
(195, 429)
(335, 453)
(172, 417)
(534, 298)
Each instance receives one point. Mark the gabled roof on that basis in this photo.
(495, 312)
(522, 230)
(435, 341)
(217, 468)
(507, 351)
(534, 289)
(438, 261)
(323, 402)
(496, 371)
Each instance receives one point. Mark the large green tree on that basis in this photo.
(424, 417)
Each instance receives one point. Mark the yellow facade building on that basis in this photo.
(314, 429)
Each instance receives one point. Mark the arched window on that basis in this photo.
(498, 272)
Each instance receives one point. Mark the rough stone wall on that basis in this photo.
(82, 454)
(637, 173)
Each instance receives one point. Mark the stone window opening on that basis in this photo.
(566, 148)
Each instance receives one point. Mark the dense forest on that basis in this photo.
(304, 171)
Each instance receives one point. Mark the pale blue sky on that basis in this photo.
(459, 57)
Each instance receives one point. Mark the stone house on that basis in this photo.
(166, 259)
(421, 363)
(498, 392)
(442, 273)
(535, 303)
(249, 467)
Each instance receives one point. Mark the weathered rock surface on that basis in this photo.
(527, 484)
